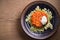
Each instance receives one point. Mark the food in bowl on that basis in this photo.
(39, 19)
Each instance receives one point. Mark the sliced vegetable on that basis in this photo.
(35, 17)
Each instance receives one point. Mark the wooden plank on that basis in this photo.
(10, 28)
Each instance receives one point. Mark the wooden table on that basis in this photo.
(10, 11)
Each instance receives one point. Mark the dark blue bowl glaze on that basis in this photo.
(26, 26)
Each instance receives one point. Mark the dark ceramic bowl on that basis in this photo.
(26, 26)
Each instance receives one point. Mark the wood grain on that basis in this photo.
(10, 28)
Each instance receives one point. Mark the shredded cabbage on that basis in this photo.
(48, 25)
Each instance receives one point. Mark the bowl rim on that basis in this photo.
(23, 13)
